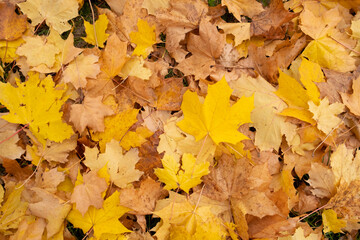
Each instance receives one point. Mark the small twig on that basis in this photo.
(198, 201)
(203, 144)
(14, 133)
(6, 48)
(345, 46)
(12, 67)
(300, 219)
(88, 233)
(33, 173)
(38, 26)
(332, 130)
(93, 18)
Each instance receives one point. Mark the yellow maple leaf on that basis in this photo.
(8, 50)
(56, 13)
(135, 67)
(296, 96)
(116, 127)
(300, 235)
(100, 27)
(176, 142)
(188, 177)
(324, 50)
(135, 139)
(121, 167)
(355, 28)
(330, 54)
(215, 117)
(182, 219)
(13, 210)
(102, 221)
(37, 103)
(331, 222)
(344, 165)
(325, 114)
(144, 38)
(38, 51)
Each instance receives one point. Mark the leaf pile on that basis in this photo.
(179, 119)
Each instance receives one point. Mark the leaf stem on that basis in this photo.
(93, 18)
(300, 219)
(14, 133)
(345, 46)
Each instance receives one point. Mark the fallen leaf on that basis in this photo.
(135, 67)
(30, 228)
(37, 51)
(181, 217)
(153, 6)
(243, 7)
(120, 167)
(215, 117)
(116, 127)
(240, 31)
(38, 98)
(114, 56)
(346, 201)
(88, 191)
(352, 101)
(51, 179)
(13, 25)
(13, 168)
(8, 50)
(13, 209)
(269, 125)
(325, 115)
(50, 207)
(95, 33)
(81, 68)
(300, 235)
(102, 221)
(205, 48)
(143, 199)
(69, 51)
(324, 50)
(176, 142)
(90, 114)
(331, 222)
(269, 23)
(322, 179)
(55, 13)
(345, 167)
(297, 97)
(57, 152)
(144, 38)
(185, 178)
(8, 146)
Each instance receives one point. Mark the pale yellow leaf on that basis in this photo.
(120, 167)
(325, 114)
(55, 13)
(81, 68)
